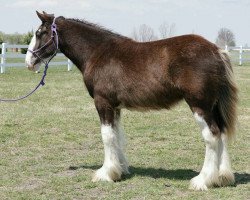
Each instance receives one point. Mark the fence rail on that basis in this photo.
(240, 57)
(4, 55)
(243, 54)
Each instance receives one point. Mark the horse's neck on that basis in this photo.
(78, 43)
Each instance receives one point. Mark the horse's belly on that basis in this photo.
(148, 100)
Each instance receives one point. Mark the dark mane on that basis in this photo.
(97, 27)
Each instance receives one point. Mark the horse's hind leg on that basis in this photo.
(226, 176)
(114, 160)
(209, 174)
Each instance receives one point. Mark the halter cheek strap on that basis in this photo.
(53, 29)
(54, 38)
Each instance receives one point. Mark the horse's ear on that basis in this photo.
(41, 16)
(45, 17)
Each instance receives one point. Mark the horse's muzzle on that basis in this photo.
(33, 67)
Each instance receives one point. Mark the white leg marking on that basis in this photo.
(226, 176)
(111, 169)
(209, 173)
(122, 143)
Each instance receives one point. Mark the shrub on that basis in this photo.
(26, 40)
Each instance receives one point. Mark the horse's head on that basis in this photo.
(43, 45)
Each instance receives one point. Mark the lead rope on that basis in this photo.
(42, 81)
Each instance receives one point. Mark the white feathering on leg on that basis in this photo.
(226, 176)
(122, 143)
(209, 173)
(111, 169)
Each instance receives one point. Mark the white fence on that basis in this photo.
(241, 55)
(6, 54)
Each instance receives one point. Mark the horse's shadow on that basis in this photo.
(179, 174)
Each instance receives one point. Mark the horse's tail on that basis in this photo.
(228, 98)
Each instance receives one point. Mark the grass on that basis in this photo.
(50, 144)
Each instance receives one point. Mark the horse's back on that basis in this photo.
(158, 74)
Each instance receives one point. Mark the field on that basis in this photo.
(50, 144)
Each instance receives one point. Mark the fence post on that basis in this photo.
(226, 48)
(3, 58)
(69, 65)
(240, 55)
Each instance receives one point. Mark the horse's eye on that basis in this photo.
(39, 32)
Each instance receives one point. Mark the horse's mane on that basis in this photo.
(95, 27)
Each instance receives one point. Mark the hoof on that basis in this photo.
(226, 178)
(106, 174)
(198, 183)
(125, 169)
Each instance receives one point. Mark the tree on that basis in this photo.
(26, 40)
(166, 30)
(15, 38)
(225, 37)
(144, 34)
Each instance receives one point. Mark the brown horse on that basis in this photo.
(122, 73)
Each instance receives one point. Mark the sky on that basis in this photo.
(203, 17)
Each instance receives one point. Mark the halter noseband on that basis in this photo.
(54, 38)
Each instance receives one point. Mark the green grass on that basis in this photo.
(50, 144)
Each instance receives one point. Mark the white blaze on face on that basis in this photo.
(29, 60)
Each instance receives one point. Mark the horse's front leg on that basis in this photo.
(114, 159)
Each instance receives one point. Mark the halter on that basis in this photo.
(54, 38)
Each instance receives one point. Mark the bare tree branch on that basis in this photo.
(166, 30)
(144, 34)
(225, 37)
